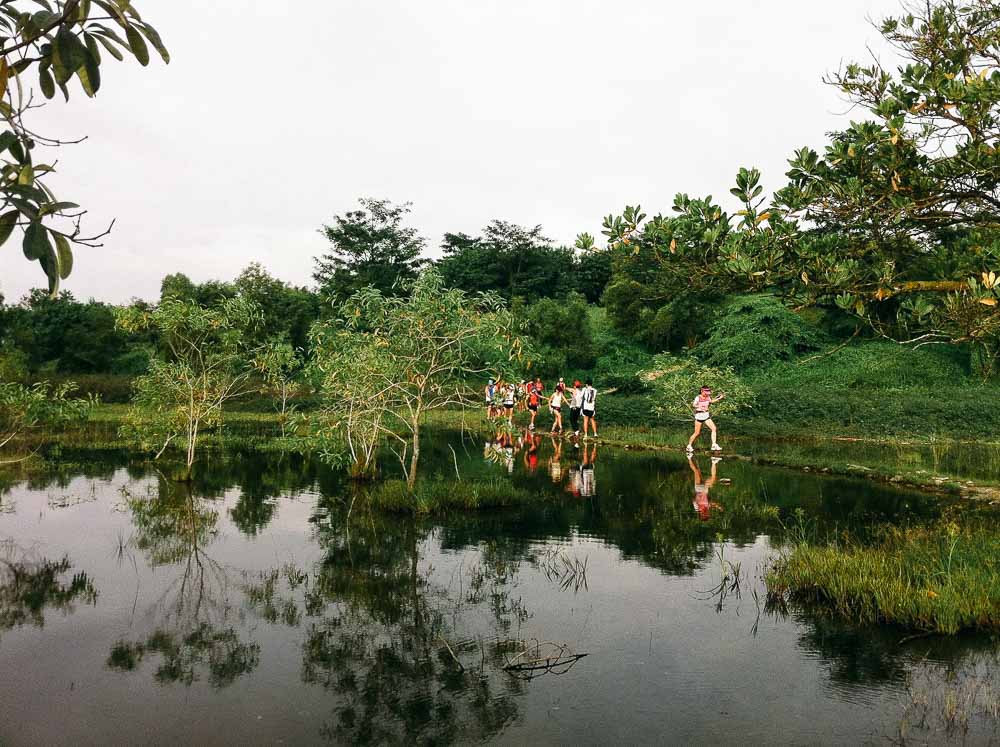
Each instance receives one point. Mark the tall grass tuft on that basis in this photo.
(942, 578)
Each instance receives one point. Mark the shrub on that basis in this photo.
(676, 382)
(753, 332)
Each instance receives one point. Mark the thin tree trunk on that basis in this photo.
(411, 478)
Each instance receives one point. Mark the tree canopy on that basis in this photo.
(369, 247)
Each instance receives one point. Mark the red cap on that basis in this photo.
(576, 383)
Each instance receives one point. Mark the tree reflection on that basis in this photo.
(31, 587)
(394, 646)
(194, 632)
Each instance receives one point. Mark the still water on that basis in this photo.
(266, 603)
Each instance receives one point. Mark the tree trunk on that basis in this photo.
(411, 478)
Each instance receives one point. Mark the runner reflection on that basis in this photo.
(703, 505)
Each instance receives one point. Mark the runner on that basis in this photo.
(701, 403)
(555, 407)
(589, 404)
(534, 400)
(509, 395)
(490, 391)
(575, 403)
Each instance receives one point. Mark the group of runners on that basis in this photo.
(504, 398)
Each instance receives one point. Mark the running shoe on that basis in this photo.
(689, 449)
(716, 447)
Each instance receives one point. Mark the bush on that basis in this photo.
(878, 388)
(676, 382)
(753, 332)
(133, 362)
(107, 388)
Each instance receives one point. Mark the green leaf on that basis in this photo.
(156, 41)
(26, 175)
(7, 139)
(65, 255)
(112, 49)
(69, 54)
(7, 222)
(48, 85)
(90, 76)
(138, 45)
(36, 244)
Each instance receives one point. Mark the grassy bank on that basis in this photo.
(943, 578)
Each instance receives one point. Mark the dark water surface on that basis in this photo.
(263, 605)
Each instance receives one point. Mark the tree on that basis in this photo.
(562, 335)
(508, 259)
(69, 336)
(281, 366)
(896, 223)
(369, 247)
(60, 40)
(287, 312)
(209, 364)
(593, 268)
(424, 352)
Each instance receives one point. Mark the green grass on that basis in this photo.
(943, 578)
(437, 496)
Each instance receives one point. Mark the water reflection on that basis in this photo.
(31, 586)
(272, 572)
(194, 631)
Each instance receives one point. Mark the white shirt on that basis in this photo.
(589, 398)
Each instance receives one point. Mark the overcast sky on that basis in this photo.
(273, 116)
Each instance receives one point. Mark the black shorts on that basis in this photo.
(533, 408)
(508, 406)
(555, 409)
(588, 413)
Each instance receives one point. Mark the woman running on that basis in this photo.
(555, 406)
(534, 400)
(589, 404)
(701, 403)
(509, 395)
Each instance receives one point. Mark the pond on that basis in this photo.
(623, 603)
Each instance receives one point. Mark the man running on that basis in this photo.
(589, 405)
(575, 404)
(701, 403)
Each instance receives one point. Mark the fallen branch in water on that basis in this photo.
(561, 660)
